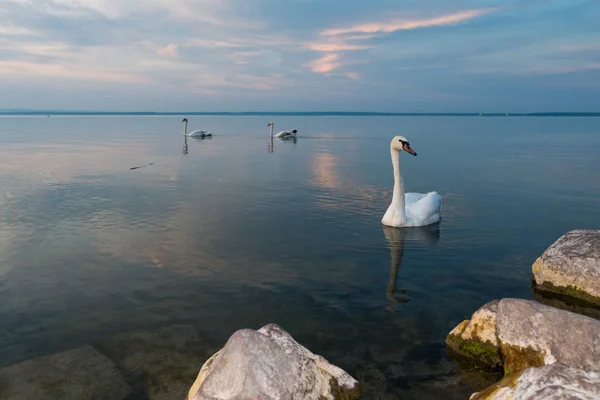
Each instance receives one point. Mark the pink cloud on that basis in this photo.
(332, 47)
(8, 67)
(352, 75)
(399, 25)
(325, 64)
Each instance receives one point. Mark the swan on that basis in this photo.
(282, 134)
(196, 133)
(409, 209)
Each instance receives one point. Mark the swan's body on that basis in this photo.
(282, 134)
(409, 209)
(196, 133)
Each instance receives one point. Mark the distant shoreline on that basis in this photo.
(292, 113)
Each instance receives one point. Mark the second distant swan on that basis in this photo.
(409, 209)
(196, 133)
(282, 134)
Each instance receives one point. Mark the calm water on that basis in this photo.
(226, 235)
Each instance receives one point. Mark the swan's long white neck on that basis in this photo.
(398, 196)
(185, 128)
(272, 125)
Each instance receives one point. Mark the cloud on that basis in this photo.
(176, 52)
(335, 46)
(407, 24)
(169, 50)
(45, 71)
(325, 64)
(9, 30)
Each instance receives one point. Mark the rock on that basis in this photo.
(373, 381)
(269, 364)
(163, 363)
(571, 266)
(552, 382)
(528, 334)
(532, 334)
(567, 303)
(476, 338)
(77, 374)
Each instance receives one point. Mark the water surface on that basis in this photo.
(226, 234)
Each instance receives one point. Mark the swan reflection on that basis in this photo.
(185, 146)
(397, 238)
(271, 146)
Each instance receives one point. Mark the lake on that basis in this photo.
(225, 233)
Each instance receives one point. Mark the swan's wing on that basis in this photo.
(423, 209)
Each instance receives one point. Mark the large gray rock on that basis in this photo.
(571, 266)
(163, 362)
(529, 334)
(553, 382)
(269, 364)
(532, 334)
(82, 373)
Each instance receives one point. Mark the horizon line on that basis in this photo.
(16, 111)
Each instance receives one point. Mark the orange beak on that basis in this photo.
(408, 149)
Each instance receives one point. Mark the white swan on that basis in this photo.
(409, 209)
(196, 133)
(282, 134)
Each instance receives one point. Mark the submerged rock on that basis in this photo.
(528, 334)
(162, 363)
(553, 382)
(269, 364)
(571, 266)
(82, 373)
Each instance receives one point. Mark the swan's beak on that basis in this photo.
(408, 149)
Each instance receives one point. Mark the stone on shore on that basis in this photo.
(552, 382)
(571, 266)
(530, 334)
(77, 374)
(476, 338)
(162, 363)
(269, 364)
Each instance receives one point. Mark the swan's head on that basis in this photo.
(270, 124)
(184, 120)
(401, 143)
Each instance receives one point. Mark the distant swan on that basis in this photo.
(196, 133)
(282, 134)
(409, 209)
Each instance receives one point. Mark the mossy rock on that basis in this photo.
(575, 294)
(340, 393)
(517, 359)
(486, 355)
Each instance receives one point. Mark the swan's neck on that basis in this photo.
(398, 196)
(185, 128)
(272, 125)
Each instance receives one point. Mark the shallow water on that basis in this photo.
(224, 234)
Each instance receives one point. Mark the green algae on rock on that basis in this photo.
(476, 338)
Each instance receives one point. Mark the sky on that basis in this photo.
(301, 55)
